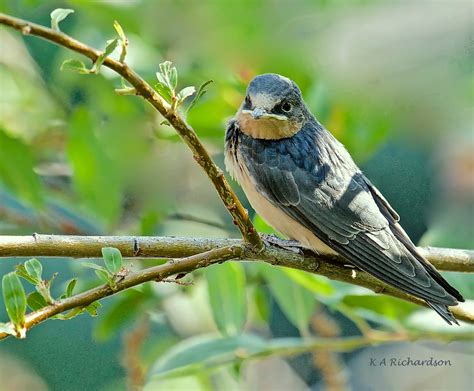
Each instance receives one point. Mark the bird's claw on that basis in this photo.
(290, 245)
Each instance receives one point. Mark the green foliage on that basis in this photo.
(297, 302)
(14, 298)
(76, 158)
(58, 15)
(112, 258)
(113, 264)
(31, 271)
(226, 287)
(123, 40)
(128, 306)
(203, 353)
(94, 173)
(36, 301)
(16, 169)
(199, 94)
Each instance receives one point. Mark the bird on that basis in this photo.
(304, 183)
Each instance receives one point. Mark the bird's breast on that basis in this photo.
(274, 216)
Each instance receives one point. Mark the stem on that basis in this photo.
(156, 273)
(232, 203)
(333, 267)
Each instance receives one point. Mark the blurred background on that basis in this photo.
(392, 80)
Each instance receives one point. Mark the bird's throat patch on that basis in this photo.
(266, 128)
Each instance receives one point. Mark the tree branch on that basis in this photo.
(156, 273)
(232, 203)
(331, 266)
(197, 252)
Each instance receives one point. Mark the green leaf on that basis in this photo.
(20, 270)
(58, 15)
(199, 94)
(297, 302)
(122, 311)
(93, 307)
(123, 41)
(70, 287)
(110, 47)
(198, 354)
(261, 301)
(94, 266)
(35, 301)
(167, 80)
(173, 77)
(75, 65)
(95, 174)
(112, 259)
(316, 284)
(184, 93)
(34, 269)
(105, 277)
(226, 287)
(120, 31)
(16, 169)
(15, 301)
(69, 315)
(162, 88)
(389, 307)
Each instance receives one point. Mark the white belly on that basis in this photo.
(271, 214)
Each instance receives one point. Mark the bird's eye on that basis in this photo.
(286, 107)
(248, 102)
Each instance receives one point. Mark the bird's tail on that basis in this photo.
(444, 312)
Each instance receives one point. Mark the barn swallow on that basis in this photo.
(303, 182)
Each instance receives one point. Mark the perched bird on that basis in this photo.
(304, 183)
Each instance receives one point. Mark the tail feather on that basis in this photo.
(444, 312)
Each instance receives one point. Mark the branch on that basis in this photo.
(74, 246)
(331, 266)
(232, 203)
(198, 252)
(156, 273)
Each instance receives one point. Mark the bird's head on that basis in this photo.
(273, 108)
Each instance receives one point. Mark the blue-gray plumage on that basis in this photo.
(304, 183)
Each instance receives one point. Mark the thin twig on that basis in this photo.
(156, 273)
(232, 203)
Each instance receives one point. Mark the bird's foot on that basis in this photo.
(290, 245)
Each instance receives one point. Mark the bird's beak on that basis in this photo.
(257, 113)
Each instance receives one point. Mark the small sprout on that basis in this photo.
(58, 15)
(20, 271)
(105, 277)
(199, 94)
(126, 89)
(183, 94)
(123, 41)
(34, 268)
(93, 307)
(109, 48)
(70, 287)
(75, 65)
(167, 81)
(113, 259)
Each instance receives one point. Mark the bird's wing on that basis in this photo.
(341, 210)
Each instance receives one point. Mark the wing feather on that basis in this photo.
(340, 206)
